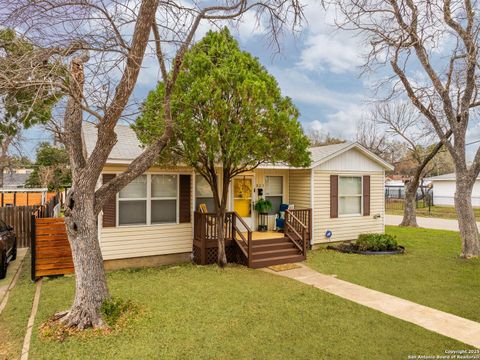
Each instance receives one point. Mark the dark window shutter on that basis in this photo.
(366, 195)
(334, 196)
(110, 207)
(185, 198)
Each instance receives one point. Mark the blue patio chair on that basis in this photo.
(280, 220)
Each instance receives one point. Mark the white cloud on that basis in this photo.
(342, 123)
(327, 49)
(305, 89)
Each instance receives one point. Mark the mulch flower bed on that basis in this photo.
(351, 248)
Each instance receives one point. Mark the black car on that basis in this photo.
(8, 247)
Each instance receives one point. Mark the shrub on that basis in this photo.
(376, 242)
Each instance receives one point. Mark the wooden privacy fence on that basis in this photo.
(24, 198)
(19, 217)
(51, 254)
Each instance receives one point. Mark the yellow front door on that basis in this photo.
(242, 198)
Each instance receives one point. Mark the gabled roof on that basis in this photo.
(128, 147)
(322, 154)
(125, 150)
(13, 180)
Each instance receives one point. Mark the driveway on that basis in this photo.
(429, 223)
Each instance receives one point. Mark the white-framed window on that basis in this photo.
(163, 200)
(149, 199)
(274, 192)
(350, 195)
(132, 202)
(203, 193)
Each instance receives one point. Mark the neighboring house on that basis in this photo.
(151, 221)
(444, 190)
(13, 180)
(16, 178)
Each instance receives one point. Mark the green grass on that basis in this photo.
(430, 273)
(442, 212)
(14, 318)
(194, 312)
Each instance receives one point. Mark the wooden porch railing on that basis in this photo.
(305, 217)
(296, 232)
(205, 236)
(245, 244)
(239, 236)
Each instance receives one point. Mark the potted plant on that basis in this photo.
(262, 207)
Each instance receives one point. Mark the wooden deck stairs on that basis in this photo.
(256, 250)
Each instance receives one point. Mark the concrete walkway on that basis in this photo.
(443, 323)
(12, 275)
(428, 223)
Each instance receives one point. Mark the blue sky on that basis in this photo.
(318, 69)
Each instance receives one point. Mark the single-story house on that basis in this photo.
(155, 218)
(444, 190)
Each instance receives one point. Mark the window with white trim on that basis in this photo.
(132, 202)
(274, 192)
(164, 199)
(149, 199)
(350, 195)
(203, 193)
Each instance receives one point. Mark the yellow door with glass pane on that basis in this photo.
(242, 198)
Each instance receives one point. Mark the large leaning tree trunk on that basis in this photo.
(410, 211)
(84, 201)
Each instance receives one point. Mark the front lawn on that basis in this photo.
(206, 313)
(430, 272)
(14, 318)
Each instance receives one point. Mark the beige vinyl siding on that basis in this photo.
(300, 188)
(346, 227)
(147, 240)
(351, 160)
(135, 241)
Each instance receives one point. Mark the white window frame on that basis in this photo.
(149, 199)
(349, 195)
(283, 188)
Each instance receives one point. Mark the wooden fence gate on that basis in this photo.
(51, 254)
(19, 217)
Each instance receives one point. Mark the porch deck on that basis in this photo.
(254, 249)
(264, 235)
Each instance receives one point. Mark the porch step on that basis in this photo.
(256, 264)
(279, 240)
(273, 246)
(264, 255)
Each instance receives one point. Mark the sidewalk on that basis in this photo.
(429, 223)
(455, 327)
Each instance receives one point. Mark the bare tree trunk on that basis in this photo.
(2, 169)
(410, 211)
(222, 256)
(466, 217)
(91, 285)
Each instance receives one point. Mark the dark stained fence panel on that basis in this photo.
(19, 218)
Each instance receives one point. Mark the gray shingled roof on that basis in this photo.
(128, 147)
(12, 180)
